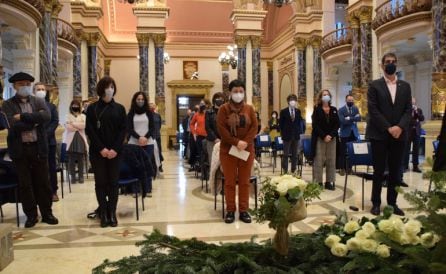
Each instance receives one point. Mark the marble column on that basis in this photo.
(225, 79)
(300, 44)
(143, 43)
(46, 69)
(439, 59)
(93, 39)
(160, 98)
(256, 97)
(356, 58)
(317, 70)
(270, 86)
(365, 20)
(57, 7)
(77, 82)
(241, 42)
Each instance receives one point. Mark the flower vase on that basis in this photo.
(281, 240)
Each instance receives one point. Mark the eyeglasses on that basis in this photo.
(389, 62)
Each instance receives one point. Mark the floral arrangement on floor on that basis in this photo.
(386, 244)
(281, 202)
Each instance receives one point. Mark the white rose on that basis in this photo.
(362, 234)
(429, 239)
(351, 227)
(404, 239)
(291, 184)
(369, 228)
(274, 181)
(302, 184)
(282, 188)
(354, 244)
(383, 251)
(369, 245)
(397, 223)
(339, 250)
(385, 226)
(331, 240)
(412, 228)
(414, 240)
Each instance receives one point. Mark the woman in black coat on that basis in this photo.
(325, 122)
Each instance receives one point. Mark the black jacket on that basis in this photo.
(112, 130)
(415, 122)
(323, 124)
(28, 121)
(131, 129)
(383, 113)
(290, 129)
(211, 125)
(440, 155)
(52, 125)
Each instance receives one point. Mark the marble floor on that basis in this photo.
(178, 207)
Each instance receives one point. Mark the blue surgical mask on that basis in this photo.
(24, 91)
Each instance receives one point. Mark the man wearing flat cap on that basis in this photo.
(28, 149)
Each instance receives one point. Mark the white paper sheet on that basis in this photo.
(263, 138)
(241, 154)
(360, 148)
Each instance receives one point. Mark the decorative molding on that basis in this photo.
(33, 8)
(315, 41)
(365, 14)
(300, 43)
(241, 40)
(159, 39)
(256, 41)
(93, 38)
(418, 17)
(190, 84)
(143, 39)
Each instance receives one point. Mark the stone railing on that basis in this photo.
(393, 9)
(65, 31)
(336, 38)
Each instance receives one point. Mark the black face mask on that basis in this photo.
(350, 104)
(390, 68)
(202, 107)
(219, 102)
(76, 109)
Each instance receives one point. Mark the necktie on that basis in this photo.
(292, 115)
(350, 111)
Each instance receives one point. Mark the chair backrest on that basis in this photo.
(306, 145)
(63, 153)
(435, 145)
(278, 143)
(359, 153)
(263, 140)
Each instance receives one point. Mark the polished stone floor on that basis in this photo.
(178, 207)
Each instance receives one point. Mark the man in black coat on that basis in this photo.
(290, 129)
(28, 149)
(414, 137)
(389, 108)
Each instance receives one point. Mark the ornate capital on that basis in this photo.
(241, 41)
(316, 41)
(83, 36)
(159, 39)
(256, 41)
(365, 14)
(57, 7)
(300, 43)
(49, 5)
(353, 20)
(143, 39)
(93, 38)
(225, 67)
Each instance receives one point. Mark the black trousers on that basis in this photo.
(34, 184)
(386, 152)
(158, 141)
(106, 176)
(343, 149)
(52, 168)
(290, 147)
(414, 140)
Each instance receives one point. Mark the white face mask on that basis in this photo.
(274, 115)
(24, 91)
(109, 92)
(41, 94)
(238, 97)
(326, 98)
(292, 103)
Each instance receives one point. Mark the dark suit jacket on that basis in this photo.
(416, 118)
(52, 125)
(383, 113)
(290, 130)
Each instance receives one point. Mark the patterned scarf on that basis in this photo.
(234, 116)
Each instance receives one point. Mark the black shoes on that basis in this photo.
(375, 210)
(229, 218)
(329, 185)
(31, 221)
(50, 219)
(161, 169)
(416, 169)
(244, 217)
(104, 219)
(397, 210)
(403, 184)
(113, 220)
